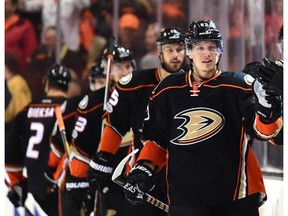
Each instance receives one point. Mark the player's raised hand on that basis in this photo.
(271, 74)
(268, 103)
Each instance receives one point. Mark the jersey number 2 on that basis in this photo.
(34, 140)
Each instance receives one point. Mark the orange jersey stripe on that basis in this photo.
(134, 88)
(110, 141)
(90, 110)
(267, 131)
(15, 177)
(154, 153)
(78, 168)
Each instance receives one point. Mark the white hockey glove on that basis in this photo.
(268, 104)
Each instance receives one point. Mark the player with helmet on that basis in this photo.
(271, 75)
(126, 110)
(200, 125)
(87, 131)
(96, 77)
(29, 146)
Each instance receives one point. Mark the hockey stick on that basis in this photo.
(70, 150)
(24, 206)
(98, 196)
(117, 177)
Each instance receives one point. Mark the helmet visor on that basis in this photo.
(197, 46)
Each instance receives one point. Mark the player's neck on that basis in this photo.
(56, 93)
(162, 73)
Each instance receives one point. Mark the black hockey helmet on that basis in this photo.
(171, 35)
(120, 54)
(58, 76)
(204, 30)
(96, 71)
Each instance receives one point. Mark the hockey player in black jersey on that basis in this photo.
(29, 147)
(126, 109)
(200, 125)
(87, 132)
(271, 74)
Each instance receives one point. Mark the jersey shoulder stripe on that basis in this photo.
(237, 80)
(140, 79)
(174, 81)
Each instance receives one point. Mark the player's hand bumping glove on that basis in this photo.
(140, 180)
(77, 190)
(51, 184)
(271, 73)
(268, 104)
(18, 193)
(100, 171)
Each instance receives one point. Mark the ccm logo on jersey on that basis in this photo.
(199, 124)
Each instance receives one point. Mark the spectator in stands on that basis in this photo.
(20, 36)
(130, 35)
(17, 92)
(151, 58)
(69, 17)
(17, 86)
(44, 57)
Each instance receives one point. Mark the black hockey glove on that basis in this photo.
(100, 171)
(271, 73)
(51, 184)
(268, 104)
(140, 180)
(78, 193)
(18, 193)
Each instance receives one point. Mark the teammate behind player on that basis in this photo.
(29, 147)
(87, 130)
(200, 125)
(96, 77)
(126, 109)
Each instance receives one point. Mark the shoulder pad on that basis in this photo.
(84, 102)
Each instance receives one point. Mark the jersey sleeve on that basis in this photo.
(14, 153)
(254, 126)
(155, 127)
(120, 109)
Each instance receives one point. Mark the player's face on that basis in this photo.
(205, 55)
(99, 83)
(121, 69)
(173, 56)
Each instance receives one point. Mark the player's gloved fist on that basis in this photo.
(271, 73)
(268, 104)
(18, 194)
(51, 184)
(140, 180)
(100, 171)
(77, 190)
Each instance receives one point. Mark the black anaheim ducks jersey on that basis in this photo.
(128, 102)
(87, 129)
(69, 113)
(30, 145)
(205, 128)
